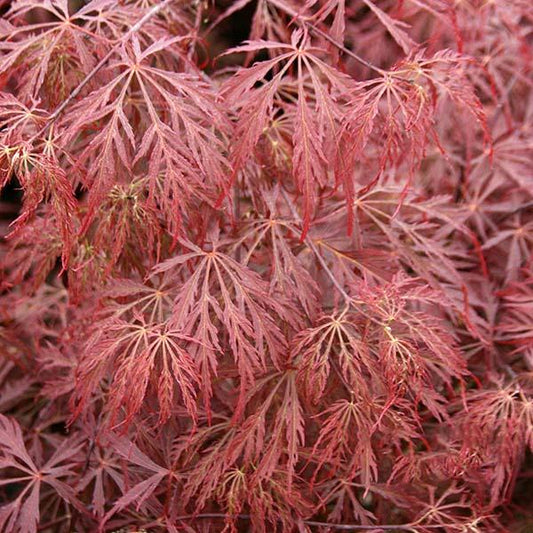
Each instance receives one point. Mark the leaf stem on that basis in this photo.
(310, 26)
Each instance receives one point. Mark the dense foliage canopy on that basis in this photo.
(266, 265)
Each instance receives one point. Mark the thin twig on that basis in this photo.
(343, 49)
(311, 27)
(503, 98)
(412, 527)
(197, 25)
(360, 527)
(315, 250)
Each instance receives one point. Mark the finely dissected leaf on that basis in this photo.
(176, 146)
(316, 119)
(54, 55)
(37, 169)
(287, 435)
(149, 355)
(343, 421)
(223, 301)
(127, 225)
(262, 451)
(389, 344)
(411, 344)
(288, 273)
(105, 469)
(499, 423)
(334, 341)
(400, 107)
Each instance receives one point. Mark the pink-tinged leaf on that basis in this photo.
(136, 352)
(309, 160)
(289, 275)
(181, 152)
(317, 117)
(223, 299)
(333, 341)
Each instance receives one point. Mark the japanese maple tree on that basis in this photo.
(266, 265)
